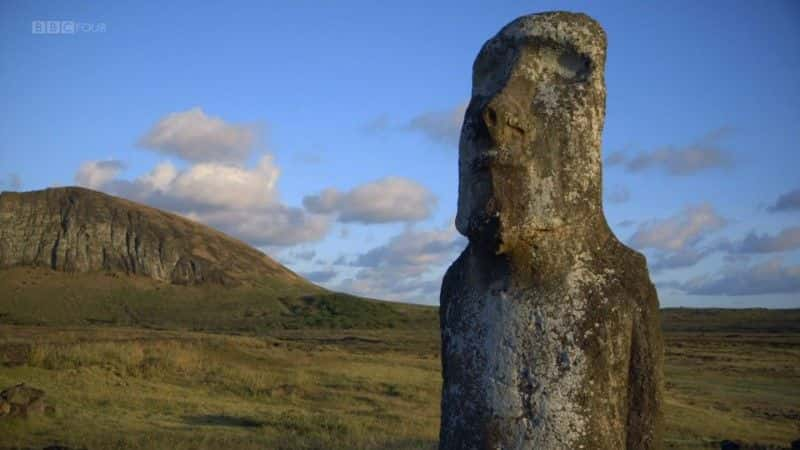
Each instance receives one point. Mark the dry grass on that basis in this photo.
(743, 387)
(149, 389)
(117, 388)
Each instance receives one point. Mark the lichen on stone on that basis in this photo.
(545, 314)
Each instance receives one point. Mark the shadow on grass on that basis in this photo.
(221, 420)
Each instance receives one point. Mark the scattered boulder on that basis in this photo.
(730, 445)
(22, 400)
(550, 326)
(796, 444)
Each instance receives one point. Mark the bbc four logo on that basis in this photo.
(65, 27)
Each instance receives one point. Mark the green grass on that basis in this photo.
(127, 388)
(39, 296)
(130, 363)
(732, 386)
(130, 388)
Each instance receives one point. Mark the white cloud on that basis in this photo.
(242, 202)
(383, 284)
(95, 174)
(194, 136)
(701, 155)
(326, 202)
(439, 126)
(769, 277)
(786, 239)
(408, 267)
(391, 199)
(222, 185)
(685, 257)
(161, 177)
(412, 252)
(272, 225)
(679, 231)
(680, 161)
(735, 251)
(204, 186)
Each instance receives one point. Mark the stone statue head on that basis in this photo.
(529, 154)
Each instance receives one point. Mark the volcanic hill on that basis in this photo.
(73, 256)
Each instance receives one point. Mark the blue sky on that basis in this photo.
(325, 132)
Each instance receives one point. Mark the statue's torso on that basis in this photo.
(547, 367)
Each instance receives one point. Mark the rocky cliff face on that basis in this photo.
(79, 230)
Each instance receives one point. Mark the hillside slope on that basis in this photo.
(72, 256)
(79, 230)
(42, 296)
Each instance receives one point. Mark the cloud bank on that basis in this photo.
(789, 201)
(787, 239)
(240, 201)
(699, 156)
(401, 268)
(769, 277)
(390, 199)
(678, 232)
(96, 174)
(439, 126)
(195, 136)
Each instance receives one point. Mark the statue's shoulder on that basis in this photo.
(630, 272)
(456, 276)
(619, 256)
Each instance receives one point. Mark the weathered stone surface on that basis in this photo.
(79, 230)
(550, 326)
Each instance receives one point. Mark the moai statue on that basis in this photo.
(550, 326)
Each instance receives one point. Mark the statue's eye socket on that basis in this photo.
(574, 66)
(493, 68)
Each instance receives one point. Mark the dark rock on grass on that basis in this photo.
(22, 401)
(796, 444)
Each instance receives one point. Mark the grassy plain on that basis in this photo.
(132, 364)
(127, 388)
(117, 388)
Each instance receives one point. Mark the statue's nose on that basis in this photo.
(489, 115)
(502, 121)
